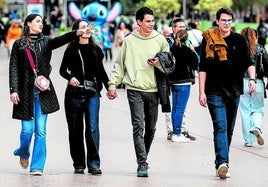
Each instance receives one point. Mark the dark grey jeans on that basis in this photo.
(144, 112)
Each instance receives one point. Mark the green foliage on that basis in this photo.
(242, 4)
(213, 5)
(238, 26)
(130, 7)
(162, 7)
(246, 4)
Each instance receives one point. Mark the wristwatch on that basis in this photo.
(254, 80)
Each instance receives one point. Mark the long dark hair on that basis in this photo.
(26, 29)
(75, 26)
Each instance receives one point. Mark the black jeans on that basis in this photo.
(144, 113)
(80, 106)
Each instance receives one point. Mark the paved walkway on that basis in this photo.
(171, 164)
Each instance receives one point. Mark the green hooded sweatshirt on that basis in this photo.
(131, 67)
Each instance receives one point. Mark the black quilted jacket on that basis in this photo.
(21, 76)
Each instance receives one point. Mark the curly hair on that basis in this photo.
(252, 38)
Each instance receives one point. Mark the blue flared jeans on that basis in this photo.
(180, 96)
(36, 126)
(223, 112)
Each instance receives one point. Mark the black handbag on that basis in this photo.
(89, 86)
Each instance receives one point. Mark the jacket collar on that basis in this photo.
(24, 39)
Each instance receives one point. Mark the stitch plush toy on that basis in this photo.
(95, 13)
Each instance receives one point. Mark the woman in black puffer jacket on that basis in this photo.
(30, 105)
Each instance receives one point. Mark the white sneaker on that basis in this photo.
(36, 173)
(179, 138)
(228, 174)
(223, 172)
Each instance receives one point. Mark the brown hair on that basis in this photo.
(224, 11)
(26, 28)
(181, 37)
(252, 38)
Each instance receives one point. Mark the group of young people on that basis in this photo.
(32, 105)
(222, 68)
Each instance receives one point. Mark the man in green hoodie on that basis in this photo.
(134, 67)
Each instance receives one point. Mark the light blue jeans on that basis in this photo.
(251, 108)
(38, 127)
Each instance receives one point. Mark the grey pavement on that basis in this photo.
(171, 164)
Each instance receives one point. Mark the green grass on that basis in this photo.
(238, 26)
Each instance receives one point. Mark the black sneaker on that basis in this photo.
(79, 171)
(142, 170)
(94, 171)
(169, 135)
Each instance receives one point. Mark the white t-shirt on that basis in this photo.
(195, 36)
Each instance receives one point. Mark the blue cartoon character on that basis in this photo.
(95, 13)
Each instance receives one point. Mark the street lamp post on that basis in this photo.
(184, 8)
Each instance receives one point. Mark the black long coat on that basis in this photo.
(21, 76)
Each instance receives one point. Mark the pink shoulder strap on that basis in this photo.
(30, 57)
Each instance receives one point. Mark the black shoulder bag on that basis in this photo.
(89, 86)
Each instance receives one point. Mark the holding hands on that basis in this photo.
(112, 94)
